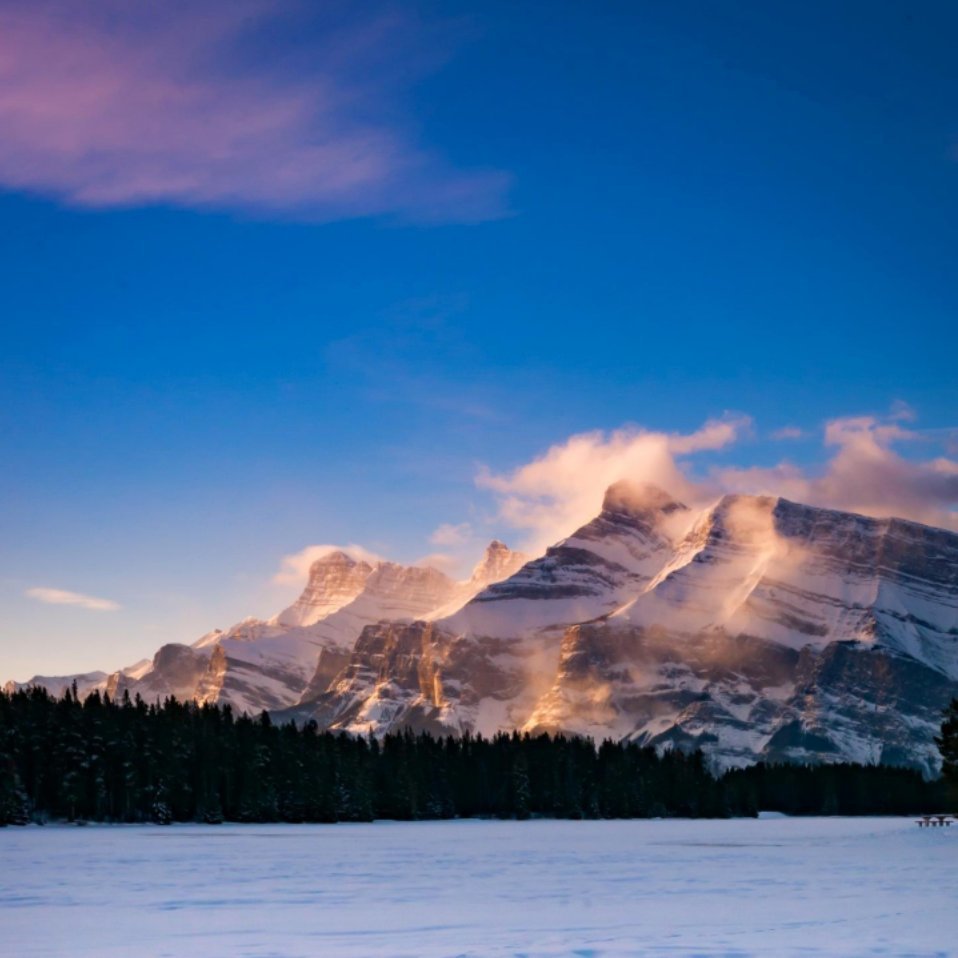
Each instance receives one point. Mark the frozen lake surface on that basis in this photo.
(775, 886)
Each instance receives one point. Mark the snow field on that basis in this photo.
(775, 886)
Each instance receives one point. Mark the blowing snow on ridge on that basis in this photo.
(753, 628)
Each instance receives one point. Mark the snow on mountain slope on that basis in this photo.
(588, 575)
(257, 664)
(850, 626)
(86, 682)
(799, 576)
(498, 562)
(335, 580)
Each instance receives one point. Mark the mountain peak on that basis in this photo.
(337, 558)
(627, 496)
(497, 562)
(335, 579)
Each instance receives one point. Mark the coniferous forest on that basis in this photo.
(129, 761)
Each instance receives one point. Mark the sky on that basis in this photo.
(408, 276)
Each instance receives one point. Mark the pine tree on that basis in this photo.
(520, 787)
(124, 760)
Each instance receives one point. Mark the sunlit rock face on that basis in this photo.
(418, 675)
(175, 671)
(590, 574)
(334, 581)
(366, 666)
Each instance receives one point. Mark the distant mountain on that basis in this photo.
(265, 665)
(756, 628)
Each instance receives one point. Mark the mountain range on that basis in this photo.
(755, 628)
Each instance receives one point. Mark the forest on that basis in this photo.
(98, 760)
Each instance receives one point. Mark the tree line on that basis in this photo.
(129, 761)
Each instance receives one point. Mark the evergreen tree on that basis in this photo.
(520, 787)
(127, 761)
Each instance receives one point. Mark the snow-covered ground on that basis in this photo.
(775, 886)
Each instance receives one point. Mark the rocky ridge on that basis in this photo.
(272, 664)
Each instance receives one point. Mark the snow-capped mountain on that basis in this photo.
(754, 628)
(272, 664)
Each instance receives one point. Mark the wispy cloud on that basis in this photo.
(196, 105)
(65, 597)
(451, 535)
(787, 433)
(863, 471)
(562, 489)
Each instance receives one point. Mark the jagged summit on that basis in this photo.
(271, 664)
(497, 562)
(335, 557)
(627, 496)
(587, 575)
(335, 579)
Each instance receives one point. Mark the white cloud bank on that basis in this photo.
(549, 497)
(562, 489)
(65, 597)
(864, 474)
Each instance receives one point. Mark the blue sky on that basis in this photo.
(284, 274)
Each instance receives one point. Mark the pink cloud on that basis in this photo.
(118, 105)
(788, 433)
(865, 474)
(451, 535)
(559, 490)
